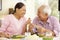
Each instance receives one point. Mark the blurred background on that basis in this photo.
(31, 7)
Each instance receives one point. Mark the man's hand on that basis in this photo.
(53, 34)
(40, 29)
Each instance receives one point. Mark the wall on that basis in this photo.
(6, 4)
(30, 7)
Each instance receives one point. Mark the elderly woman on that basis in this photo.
(44, 22)
(15, 23)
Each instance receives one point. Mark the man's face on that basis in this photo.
(41, 13)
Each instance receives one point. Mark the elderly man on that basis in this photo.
(44, 22)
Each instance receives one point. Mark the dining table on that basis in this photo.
(30, 38)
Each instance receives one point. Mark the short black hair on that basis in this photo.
(18, 5)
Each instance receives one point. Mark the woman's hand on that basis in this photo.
(7, 35)
(28, 21)
(2, 34)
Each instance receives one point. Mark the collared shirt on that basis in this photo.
(12, 26)
(51, 24)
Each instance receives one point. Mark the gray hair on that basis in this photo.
(47, 10)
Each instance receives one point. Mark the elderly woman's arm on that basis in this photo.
(25, 26)
(4, 25)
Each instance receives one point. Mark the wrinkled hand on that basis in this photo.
(40, 29)
(43, 29)
(53, 34)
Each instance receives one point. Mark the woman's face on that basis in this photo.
(41, 14)
(21, 12)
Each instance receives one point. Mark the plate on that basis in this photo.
(18, 36)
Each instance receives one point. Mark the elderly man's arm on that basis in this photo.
(56, 26)
(41, 29)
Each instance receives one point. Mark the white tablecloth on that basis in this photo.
(55, 38)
